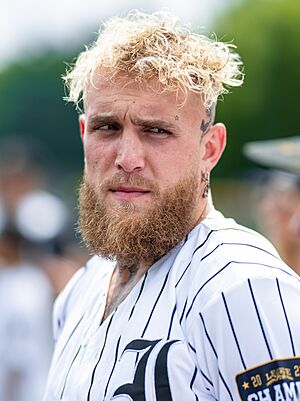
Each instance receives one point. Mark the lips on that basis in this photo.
(128, 192)
(127, 188)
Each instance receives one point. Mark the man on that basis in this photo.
(179, 303)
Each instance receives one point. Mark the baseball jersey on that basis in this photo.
(214, 319)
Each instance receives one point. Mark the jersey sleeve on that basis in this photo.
(246, 341)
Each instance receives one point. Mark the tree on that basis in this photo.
(32, 108)
(266, 33)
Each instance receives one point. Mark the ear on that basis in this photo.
(82, 125)
(214, 143)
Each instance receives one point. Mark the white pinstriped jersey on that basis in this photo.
(216, 318)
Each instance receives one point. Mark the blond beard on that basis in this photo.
(132, 236)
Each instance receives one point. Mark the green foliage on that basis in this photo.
(267, 34)
(32, 109)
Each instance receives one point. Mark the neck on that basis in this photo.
(123, 279)
(125, 273)
(206, 208)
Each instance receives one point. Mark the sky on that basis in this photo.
(28, 26)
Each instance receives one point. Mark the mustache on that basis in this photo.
(121, 178)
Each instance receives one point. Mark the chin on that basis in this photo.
(135, 205)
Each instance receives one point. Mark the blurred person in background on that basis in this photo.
(277, 200)
(31, 220)
(25, 310)
(178, 302)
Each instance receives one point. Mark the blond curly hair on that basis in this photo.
(146, 46)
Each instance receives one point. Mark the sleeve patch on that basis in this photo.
(278, 380)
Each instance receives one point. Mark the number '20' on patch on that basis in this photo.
(277, 380)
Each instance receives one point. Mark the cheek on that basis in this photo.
(97, 158)
(188, 159)
(180, 166)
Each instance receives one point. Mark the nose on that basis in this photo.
(130, 152)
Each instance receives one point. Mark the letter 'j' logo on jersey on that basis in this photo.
(277, 380)
(136, 390)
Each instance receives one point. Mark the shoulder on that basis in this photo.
(251, 326)
(84, 284)
(222, 230)
(220, 254)
(240, 303)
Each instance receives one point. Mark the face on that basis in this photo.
(132, 132)
(144, 158)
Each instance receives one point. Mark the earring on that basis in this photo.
(205, 179)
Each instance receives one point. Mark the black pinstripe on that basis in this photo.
(240, 244)
(183, 311)
(204, 242)
(138, 297)
(70, 336)
(113, 368)
(206, 378)
(286, 318)
(156, 302)
(215, 352)
(224, 267)
(259, 319)
(192, 382)
(67, 374)
(233, 331)
(171, 322)
(101, 353)
(195, 250)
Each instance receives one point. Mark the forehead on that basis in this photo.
(105, 94)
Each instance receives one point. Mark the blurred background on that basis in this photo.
(37, 39)
(41, 156)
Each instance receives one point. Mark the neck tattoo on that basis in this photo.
(132, 269)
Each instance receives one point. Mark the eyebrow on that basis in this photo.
(101, 118)
(142, 122)
(153, 122)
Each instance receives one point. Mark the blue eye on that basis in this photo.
(107, 127)
(159, 131)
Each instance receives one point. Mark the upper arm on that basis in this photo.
(247, 334)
